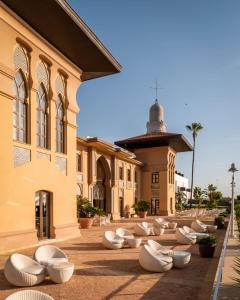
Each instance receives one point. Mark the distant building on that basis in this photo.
(182, 184)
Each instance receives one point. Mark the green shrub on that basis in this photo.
(141, 206)
(219, 220)
(211, 240)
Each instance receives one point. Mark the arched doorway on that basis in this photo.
(43, 214)
(101, 190)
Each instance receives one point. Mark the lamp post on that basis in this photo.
(233, 169)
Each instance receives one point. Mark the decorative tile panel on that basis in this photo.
(59, 84)
(41, 155)
(42, 75)
(61, 164)
(79, 177)
(20, 60)
(21, 156)
(121, 184)
(129, 185)
(155, 193)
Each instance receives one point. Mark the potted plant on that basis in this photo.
(86, 212)
(141, 208)
(207, 246)
(219, 221)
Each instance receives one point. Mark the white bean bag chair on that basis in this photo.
(29, 295)
(211, 228)
(158, 247)
(112, 241)
(21, 270)
(49, 254)
(161, 223)
(185, 238)
(190, 231)
(124, 233)
(142, 230)
(158, 230)
(198, 226)
(151, 260)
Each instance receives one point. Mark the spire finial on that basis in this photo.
(156, 88)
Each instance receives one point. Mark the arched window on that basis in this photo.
(79, 162)
(19, 108)
(59, 125)
(42, 118)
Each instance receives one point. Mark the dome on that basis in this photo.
(156, 119)
(156, 112)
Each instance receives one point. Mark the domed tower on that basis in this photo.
(156, 119)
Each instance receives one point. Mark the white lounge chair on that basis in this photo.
(49, 254)
(21, 270)
(161, 222)
(143, 229)
(152, 261)
(198, 226)
(112, 241)
(199, 235)
(185, 238)
(124, 233)
(158, 247)
(29, 295)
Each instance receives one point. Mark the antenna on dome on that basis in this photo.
(156, 88)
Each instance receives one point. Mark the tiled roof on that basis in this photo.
(175, 140)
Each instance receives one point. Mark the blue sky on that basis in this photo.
(193, 49)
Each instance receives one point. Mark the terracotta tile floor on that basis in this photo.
(116, 274)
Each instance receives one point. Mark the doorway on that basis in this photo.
(154, 206)
(42, 214)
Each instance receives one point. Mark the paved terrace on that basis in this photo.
(116, 274)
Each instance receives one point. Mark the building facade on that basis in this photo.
(182, 184)
(108, 176)
(42, 64)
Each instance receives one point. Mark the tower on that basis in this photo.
(156, 119)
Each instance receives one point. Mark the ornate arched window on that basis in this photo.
(59, 125)
(42, 118)
(20, 108)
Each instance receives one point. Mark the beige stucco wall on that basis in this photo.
(128, 190)
(19, 184)
(157, 159)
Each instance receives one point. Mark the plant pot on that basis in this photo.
(206, 250)
(86, 222)
(220, 226)
(142, 214)
(127, 215)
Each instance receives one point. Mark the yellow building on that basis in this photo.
(43, 61)
(43, 165)
(157, 151)
(108, 175)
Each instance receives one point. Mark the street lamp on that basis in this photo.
(233, 169)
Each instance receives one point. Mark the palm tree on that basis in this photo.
(211, 192)
(194, 128)
(181, 198)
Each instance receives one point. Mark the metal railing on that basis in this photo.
(221, 263)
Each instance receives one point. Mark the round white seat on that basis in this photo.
(180, 258)
(211, 228)
(172, 225)
(60, 272)
(134, 242)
